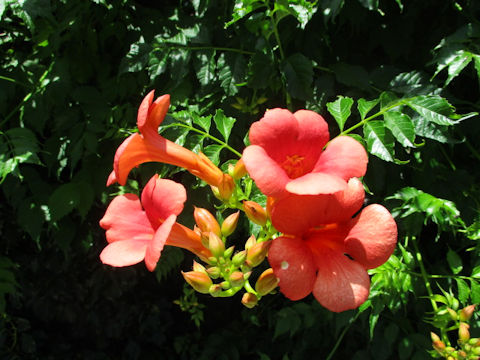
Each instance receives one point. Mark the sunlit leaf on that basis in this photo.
(223, 123)
(463, 290)
(401, 127)
(454, 261)
(364, 106)
(380, 141)
(340, 109)
(433, 108)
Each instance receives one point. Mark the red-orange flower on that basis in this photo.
(286, 155)
(148, 146)
(331, 261)
(135, 233)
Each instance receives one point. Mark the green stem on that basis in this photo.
(224, 144)
(13, 81)
(381, 112)
(424, 274)
(342, 334)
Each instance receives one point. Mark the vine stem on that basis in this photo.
(342, 334)
(215, 48)
(224, 144)
(425, 276)
(381, 112)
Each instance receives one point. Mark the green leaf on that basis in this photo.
(454, 261)
(261, 71)
(223, 123)
(203, 121)
(380, 141)
(364, 106)
(205, 66)
(455, 63)
(243, 9)
(298, 72)
(433, 108)
(463, 290)
(340, 110)
(232, 69)
(475, 292)
(401, 127)
(351, 75)
(476, 59)
(63, 200)
(213, 152)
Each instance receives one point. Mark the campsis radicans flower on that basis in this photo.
(148, 145)
(287, 155)
(138, 230)
(331, 260)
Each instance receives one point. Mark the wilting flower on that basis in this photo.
(135, 233)
(148, 146)
(287, 155)
(331, 261)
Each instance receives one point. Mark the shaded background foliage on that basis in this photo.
(72, 76)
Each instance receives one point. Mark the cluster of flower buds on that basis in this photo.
(468, 348)
(226, 272)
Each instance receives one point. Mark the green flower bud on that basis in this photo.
(230, 224)
(228, 253)
(466, 313)
(463, 332)
(215, 290)
(214, 272)
(236, 279)
(216, 245)
(257, 253)
(239, 258)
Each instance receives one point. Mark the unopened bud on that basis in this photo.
(226, 187)
(463, 332)
(452, 313)
(466, 313)
(214, 272)
(199, 267)
(461, 355)
(216, 245)
(236, 279)
(215, 290)
(257, 253)
(206, 221)
(249, 300)
(230, 224)
(225, 285)
(228, 253)
(239, 170)
(200, 281)
(434, 336)
(255, 212)
(250, 242)
(439, 346)
(239, 258)
(266, 282)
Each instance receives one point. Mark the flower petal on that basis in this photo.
(124, 253)
(344, 157)
(342, 284)
(267, 174)
(312, 133)
(162, 198)
(373, 236)
(292, 262)
(150, 115)
(125, 219)
(295, 214)
(155, 247)
(315, 184)
(183, 237)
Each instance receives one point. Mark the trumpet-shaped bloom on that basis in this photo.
(331, 261)
(148, 146)
(137, 233)
(287, 155)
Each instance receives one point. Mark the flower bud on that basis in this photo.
(461, 355)
(236, 279)
(239, 258)
(226, 187)
(206, 221)
(239, 170)
(266, 282)
(225, 285)
(255, 212)
(453, 314)
(215, 290)
(200, 281)
(463, 332)
(439, 346)
(257, 253)
(199, 267)
(214, 272)
(250, 242)
(249, 300)
(230, 224)
(434, 336)
(216, 245)
(466, 313)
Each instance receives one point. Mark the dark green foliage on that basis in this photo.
(402, 77)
